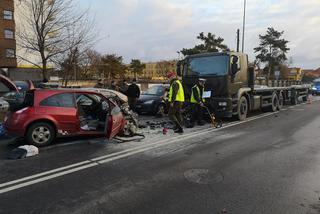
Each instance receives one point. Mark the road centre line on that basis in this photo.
(112, 157)
(19, 186)
(44, 173)
(88, 161)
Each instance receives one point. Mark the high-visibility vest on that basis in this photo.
(193, 100)
(180, 94)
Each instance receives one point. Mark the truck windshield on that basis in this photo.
(207, 66)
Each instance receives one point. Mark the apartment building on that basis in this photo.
(7, 35)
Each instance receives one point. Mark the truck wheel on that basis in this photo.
(305, 98)
(40, 134)
(242, 108)
(281, 101)
(274, 103)
(294, 98)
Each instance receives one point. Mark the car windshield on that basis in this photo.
(155, 90)
(207, 66)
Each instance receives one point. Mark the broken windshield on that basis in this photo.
(208, 66)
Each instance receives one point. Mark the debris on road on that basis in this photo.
(23, 152)
(224, 210)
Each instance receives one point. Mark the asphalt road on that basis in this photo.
(268, 164)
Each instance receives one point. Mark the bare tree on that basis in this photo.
(51, 29)
(163, 67)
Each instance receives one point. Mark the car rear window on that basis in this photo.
(59, 100)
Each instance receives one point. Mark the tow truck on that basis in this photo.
(231, 89)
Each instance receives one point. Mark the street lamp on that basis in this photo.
(244, 23)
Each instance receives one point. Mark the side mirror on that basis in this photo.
(179, 73)
(234, 69)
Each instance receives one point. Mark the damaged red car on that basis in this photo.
(45, 115)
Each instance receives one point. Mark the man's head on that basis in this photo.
(113, 82)
(202, 81)
(171, 75)
(134, 80)
(99, 80)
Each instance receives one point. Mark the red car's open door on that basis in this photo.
(6, 85)
(114, 122)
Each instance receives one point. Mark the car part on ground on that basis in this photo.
(132, 126)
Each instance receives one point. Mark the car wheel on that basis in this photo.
(160, 110)
(40, 134)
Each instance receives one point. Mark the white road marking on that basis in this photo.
(43, 173)
(112, 157)
(284, 109)
(39, 180)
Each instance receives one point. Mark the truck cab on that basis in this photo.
(226, 74)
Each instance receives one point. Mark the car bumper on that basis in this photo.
(13, 132)
(145, 108)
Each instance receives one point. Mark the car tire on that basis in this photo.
(160, 111)
(40, 134)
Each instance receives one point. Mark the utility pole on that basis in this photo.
(238, 40)
(244, 23)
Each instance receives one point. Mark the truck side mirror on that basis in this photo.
(179, 73)
(234, 69)
(234, 65)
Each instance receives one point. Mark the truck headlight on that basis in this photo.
(314, 88)
(222, 103)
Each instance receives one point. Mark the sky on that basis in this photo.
(152, 30)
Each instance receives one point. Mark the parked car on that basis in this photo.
(47, 114)
(6, 85)
(153, 100)
(15, 98)
(315, 90)
(24, 86)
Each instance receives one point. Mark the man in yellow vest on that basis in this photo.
(197, 102)
(176, 100)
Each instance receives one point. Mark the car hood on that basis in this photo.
(147, 97)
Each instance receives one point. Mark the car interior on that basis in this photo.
(92, 111)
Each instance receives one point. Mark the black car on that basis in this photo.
(16, 98)
(153, 101)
